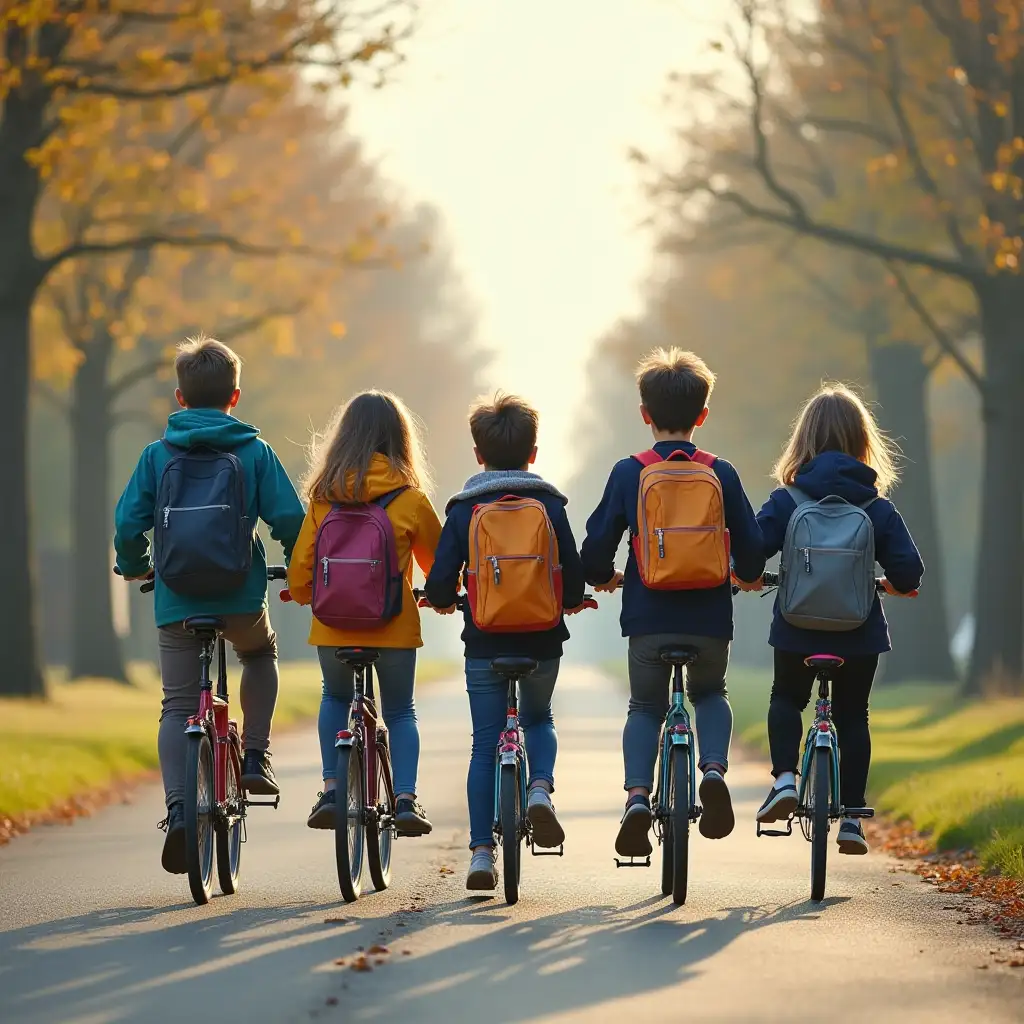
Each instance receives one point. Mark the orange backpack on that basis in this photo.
(513, 579)
(681, 541)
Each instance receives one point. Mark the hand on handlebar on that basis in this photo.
(754, 587)
(885, 585)
(588, 602)
(611, 586)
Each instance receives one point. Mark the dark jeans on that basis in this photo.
(850, 690)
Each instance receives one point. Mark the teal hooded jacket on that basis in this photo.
(268, 492)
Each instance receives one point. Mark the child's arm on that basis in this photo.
(773, 520)
(573, 581)
(605, 528)
(300, 564)
(443, 580)
(746, 544)
(277, 504)
(133, 518)
(428, 533)
(897, 553)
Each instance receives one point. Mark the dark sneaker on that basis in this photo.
(716, 817)
(173, 857)
(483, 875)
(779, 804)
(257, 775)
(322, 815)
(547, 833)
(633, 839)
(411, 819)
(851, 838)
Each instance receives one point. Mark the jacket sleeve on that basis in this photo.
(428, 533)
(133, 518)
(773, 520)
(897, 553)
(277, 504)
(573, 582)
(443, 579)
(746, 544)
(300, 565)
(605, 528)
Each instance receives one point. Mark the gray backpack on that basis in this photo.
(827, 571)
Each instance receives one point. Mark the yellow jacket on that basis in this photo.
(417, 530)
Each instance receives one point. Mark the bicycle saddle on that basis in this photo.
(357, 657)
(823, 661)
(514, 667)
(681, 654)
(197, 624)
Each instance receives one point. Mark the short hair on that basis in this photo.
(504, 430)
(674, 388)
(207, 371)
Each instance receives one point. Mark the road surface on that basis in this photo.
(91, 931)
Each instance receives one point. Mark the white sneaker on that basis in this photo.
(547, 833)
(483, 875)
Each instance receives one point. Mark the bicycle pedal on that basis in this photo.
(547, 853)
(857, 812)
(634, 862)
(775, 831)
(263, 803)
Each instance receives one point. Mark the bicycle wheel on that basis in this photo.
(679, 821)
(349, 835)
(660, 805)
(511, 812)
(820, 793)
(229, 834)
(378, 831)
(199, 806)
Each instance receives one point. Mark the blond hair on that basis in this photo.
(674, 387)
(371, 423)
(836, 419)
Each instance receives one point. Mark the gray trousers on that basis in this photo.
(256, 646)
(649, 687)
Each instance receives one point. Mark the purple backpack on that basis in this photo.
(357, 583)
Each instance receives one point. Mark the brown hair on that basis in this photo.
(674, 388)
(371, 423)
(207, 371)
(504, 430)
(837, 420)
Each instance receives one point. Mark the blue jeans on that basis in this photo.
(394, 673)
(488, 707)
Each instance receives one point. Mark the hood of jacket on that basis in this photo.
(513, 481)
(188, 428)
(839, 474)
(381, 477)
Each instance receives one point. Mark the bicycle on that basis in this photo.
(215, 799)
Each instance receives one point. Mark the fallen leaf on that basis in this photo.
(340, 962)
(377, 950)
(361, 964)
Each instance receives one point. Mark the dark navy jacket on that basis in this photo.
(453, 552)
(644, 611)
(895, 551)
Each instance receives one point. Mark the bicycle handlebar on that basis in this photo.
(771, 579)
(274, 572)
(460, 600)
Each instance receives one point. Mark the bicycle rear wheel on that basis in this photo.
(229, 834)
(349, 834)
(200, 798)
(511, 814)
(378, 831)
(679, 820)
(820, 790)
(661, 808)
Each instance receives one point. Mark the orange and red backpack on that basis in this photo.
(513, 576)
(681, 542)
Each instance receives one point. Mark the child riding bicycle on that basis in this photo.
(201, 489)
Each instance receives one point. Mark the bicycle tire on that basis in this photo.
(200, 798)
(349, 834)
(665, 826)
(511, 812)
(821, 795)
(378, 840)
(229, 836)
(679, 822)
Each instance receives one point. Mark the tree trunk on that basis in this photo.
(95, 647)
(998, 598)
(920, 629)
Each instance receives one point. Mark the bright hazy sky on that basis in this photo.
(514, 118)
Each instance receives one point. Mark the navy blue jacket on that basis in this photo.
(842, 475)
(452, 555)
(644, 611)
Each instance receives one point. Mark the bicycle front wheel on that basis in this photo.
(378, 831)
(349, 834)
(820, 791)
(199, 810)
(511, 813)
(229, 834)
(679, 821)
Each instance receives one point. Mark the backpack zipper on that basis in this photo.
(661, 531)
(495, 559)
(326, 563)
(168, 509)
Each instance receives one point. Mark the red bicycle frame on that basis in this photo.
(212, 715)
(364, 735)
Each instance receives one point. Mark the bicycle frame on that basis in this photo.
(676, 732)
(212, 716)
(511, 751)
(822, 733)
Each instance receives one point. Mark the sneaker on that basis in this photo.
(716, 817)
(173, 857)
(779, 804)
(322, 815)
(483, 875)
(411, 819)
(851, 838)
(257, 775)
(633, 839)
(547, 833)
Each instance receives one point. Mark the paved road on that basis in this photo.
(91, 931)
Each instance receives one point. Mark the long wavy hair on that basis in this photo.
(371, 423)
(837, 420)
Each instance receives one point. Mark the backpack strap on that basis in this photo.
(651, 457)
(648, 458)
(704, 458)
(385, 499)
(798, 496)
(865, 505)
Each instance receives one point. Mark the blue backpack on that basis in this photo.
(202, 538)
